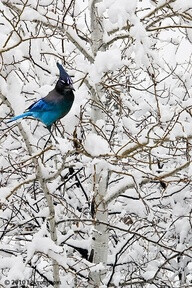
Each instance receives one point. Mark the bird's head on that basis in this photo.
(65, 82)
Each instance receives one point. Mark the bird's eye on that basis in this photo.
(68, 81)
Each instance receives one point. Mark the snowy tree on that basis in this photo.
(109, 203)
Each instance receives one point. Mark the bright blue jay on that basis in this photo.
(55, 105)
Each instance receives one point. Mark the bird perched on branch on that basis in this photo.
(55, 105)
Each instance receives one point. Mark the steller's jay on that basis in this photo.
(55, 105)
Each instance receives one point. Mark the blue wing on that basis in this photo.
(41, 106)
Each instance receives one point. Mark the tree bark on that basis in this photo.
(99, 247)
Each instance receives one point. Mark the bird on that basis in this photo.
(55, 105)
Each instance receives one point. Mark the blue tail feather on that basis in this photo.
(20, 116)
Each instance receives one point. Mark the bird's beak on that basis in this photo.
(71, 87)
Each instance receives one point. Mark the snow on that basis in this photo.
(177, 131)
(104, 61)
(181, 5)
(14, 88)
(108, 60)
(4, 192)
(30, 14)
(98, 267)
(142, 75)
(43, 212)
(3, 85)
(117, 10)
(43, 244)
(15, 265)
(64, 145)
(151, 269)
(95, 145)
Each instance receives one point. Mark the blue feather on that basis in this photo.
(20, 116)
(40, 105)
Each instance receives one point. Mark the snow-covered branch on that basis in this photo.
(106, 198)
